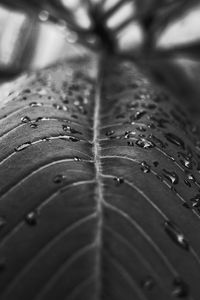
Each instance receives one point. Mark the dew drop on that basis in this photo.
(145, 167)
(174, 139)
(195, 201)
(76, 158)
(70, 129)
(148, 283)
(144, 143)
(185, 161)
(32, 218)
(110, 132)
(171, 176)
(39, 119)
(59, 107)
(59, 178)
(130, 143)
(71, 37)
(186, 205)
(157, 141)
(141, 128)
(22, 147)
(137, 116)
(133, 105)
(74, 139)
(187, 182)
(191, 177)
(25, 119)
(118, 180)
(180, 288)
(156, 163)
(43, 15)
(35, 104)
(33, 125)
(42, 92)
(176, 235)
(151, 126)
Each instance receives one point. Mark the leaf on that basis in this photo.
(98, 167)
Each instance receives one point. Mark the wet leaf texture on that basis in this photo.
(99, 188)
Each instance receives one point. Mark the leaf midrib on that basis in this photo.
(99, 185)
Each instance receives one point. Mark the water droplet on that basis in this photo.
(145, 167)
(137, 116)
(191, 177)
(42, 92)
(43, 15)
(59, 178)
(187, 182)
(110, 132)
(176, 235)
(25, 119)
(59, 107)
(195, 201)
(22, 147)
(144, 143)
(132, 105)
(32, 218)
(33, 125)
(69, 129)
(118, 180)
(141, 128)
(74, 139)
(151, 126)
(35, 104)
(186, 160)
(77, 158)
(174, 139)
(180, 288)
(186, 205)
(148, 283)
(157, 141)
(71, 37)
(171, 176)
(128, 134)
(130, 143)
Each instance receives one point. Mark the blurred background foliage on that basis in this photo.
(161, 36)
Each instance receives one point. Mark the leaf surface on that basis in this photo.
(99, 188)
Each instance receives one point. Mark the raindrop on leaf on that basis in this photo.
(145, 167)
(148, 283)
(172, 177)
(59, 178)
(32, 218)
(144, 143)
(174, 139)
(180, 288)
(176, 235)
(25, 119)
(22, 147)
(118, 180)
